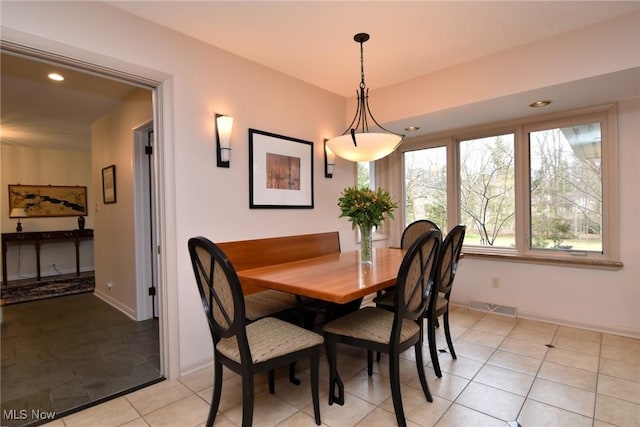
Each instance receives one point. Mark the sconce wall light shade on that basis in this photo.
(224, 124)
(329, 161)
(18, 213)
(357, 144)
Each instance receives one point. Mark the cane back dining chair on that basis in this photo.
(246, 349)
(409, 235)
(391, 332)
(414, 230)
(439, 301)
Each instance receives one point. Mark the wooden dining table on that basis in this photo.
(337, 278)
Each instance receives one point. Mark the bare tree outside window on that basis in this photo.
(487, 190)
(425, 176)
(566, 188)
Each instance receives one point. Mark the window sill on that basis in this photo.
(597, 264)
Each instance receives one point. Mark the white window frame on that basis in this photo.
(606, 115)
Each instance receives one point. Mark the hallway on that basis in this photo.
(62, 353)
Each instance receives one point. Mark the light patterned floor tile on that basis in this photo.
(140, 422)
(577, 345)
(541, 415)
(525, 348)
(613, 368)
(622, 342)
(381, 418)
(416, 407)
(159, 395)
(462, 367)
(574, 377)
(563, 396)
(491, 401)
(532, 335)
(571, 358)
(202, 378)
(351, 413)
(494, 326)
(617, 412)
(581, 334)
(619, 388)
(473, 351)
(187, 412)
(447, 387)
(268, 410)
(112, 413)
(374, 389)
(535, 325)
(505, 379)
(299, 419)
(621, 354)
(516, 362)
(483, 338)
(458, 415)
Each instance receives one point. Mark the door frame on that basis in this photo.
(164, 172)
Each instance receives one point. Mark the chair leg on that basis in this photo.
(217, 391)
(247, 400)
(292, 374)
(315, 368)
(431, 332)
(421, 375)
(394, 373)
(272, 381)
(447, 334)
(370, 362)
(334, 379)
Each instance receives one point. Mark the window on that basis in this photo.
(426, 186)
(565, 183)
(487, 190)
(539, 191)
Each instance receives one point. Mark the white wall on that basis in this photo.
(32, 166)
(112, 143)
(200, 199)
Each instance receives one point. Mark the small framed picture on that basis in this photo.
(280, 172)
(109, 184)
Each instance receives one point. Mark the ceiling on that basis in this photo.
(313, 41)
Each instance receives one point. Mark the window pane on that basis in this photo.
(365, 175)
(487, 194)
(425, 180)
(566, 188)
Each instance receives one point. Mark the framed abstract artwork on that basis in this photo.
(280, 171)
(49, 200)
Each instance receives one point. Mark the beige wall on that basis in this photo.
(32, 166)
(112, 143)
(199, 199)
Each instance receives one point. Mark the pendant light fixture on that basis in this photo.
(357, 144)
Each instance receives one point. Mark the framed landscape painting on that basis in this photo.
(49, 200)
(280, 171)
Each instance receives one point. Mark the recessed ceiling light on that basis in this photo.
(542, 103)
(56, 77)
(412, 128)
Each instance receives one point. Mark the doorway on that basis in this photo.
(101, 328)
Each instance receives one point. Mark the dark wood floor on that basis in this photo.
(64, 353)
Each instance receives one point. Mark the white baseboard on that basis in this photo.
(531, 315)
(128, 311)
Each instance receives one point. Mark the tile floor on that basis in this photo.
(504, 372)
(61, 353)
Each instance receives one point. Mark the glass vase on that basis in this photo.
(366, 244)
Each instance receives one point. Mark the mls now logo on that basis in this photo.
(23, 414)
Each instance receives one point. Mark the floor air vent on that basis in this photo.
(504, 310)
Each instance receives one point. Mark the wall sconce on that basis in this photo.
(329, 160)
(18, 213)
(223, 139)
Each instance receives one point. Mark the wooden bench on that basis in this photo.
(247, 254)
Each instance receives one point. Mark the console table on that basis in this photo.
(37, 238)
